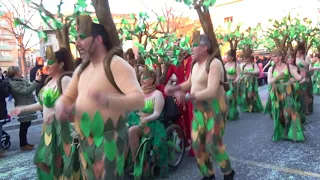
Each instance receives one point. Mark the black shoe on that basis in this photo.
(229, 176)
(212, 177)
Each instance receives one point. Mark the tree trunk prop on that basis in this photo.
(104, 16)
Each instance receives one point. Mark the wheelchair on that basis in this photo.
(5, 139)
(175, 142)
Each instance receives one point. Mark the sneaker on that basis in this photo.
(229, 176)
(212, 177)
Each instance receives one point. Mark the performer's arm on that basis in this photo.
(126, 80)
(185, 86)
(294, 73)
(214, 79)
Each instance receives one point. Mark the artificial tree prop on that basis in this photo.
(232, 36)
(202, 8)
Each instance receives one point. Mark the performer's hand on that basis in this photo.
(169, 90)
(180, 97)
(49, 118)
(16, 111)
(143, 120)
(141, 114)
(63, 111)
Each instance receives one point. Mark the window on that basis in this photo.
(228, 19)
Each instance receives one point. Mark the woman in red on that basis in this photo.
(182, 73)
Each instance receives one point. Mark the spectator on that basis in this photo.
(38, 69)
(21, 91)
(4, 93)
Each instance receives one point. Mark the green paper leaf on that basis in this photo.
(65, 132)
(216, 106)
(210, 124)
(47, 156)
(98, 140)
(85, 124)
(49, 129)
(199, 118)
(90, 150)
(82, 3)
(203, 169)
(132, 16)
(97, 125)
(89, 172)
(110, 149)
(99, 153)
(86, 157)
(120, 164)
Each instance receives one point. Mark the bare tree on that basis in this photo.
(177, 24)
(18, 17)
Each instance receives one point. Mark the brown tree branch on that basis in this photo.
(104, 16)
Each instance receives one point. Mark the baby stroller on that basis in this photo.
(5, 139)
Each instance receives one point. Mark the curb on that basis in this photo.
(17, 125)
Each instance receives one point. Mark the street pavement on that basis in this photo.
(248, 141)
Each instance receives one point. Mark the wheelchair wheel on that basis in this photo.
(176, 146)
(5, 144)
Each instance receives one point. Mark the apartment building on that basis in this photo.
(8, 47)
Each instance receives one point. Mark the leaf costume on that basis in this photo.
(208, 124)
(285, 109)
(248, 92)
(232, 95)
(102, 130)
(155, 132)
(207, 131)
(50, 150)
(316, 80)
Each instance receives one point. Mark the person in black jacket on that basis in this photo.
(4, 93)
(34, 71)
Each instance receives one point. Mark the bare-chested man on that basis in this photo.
(100, 104)
(210, 110)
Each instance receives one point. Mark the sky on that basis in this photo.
(136, 6)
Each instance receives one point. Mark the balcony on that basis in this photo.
(6, 58)
(5, 47)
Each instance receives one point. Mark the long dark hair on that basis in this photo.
(63, 55)
(233, 54)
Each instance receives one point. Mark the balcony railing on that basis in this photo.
(6, 58)
(6, 47)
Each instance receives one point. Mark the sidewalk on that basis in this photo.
(14, 124)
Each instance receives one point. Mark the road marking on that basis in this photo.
(277, 168)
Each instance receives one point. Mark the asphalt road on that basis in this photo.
(253, 155)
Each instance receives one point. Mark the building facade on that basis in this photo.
(8, 46)
(252, 12)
